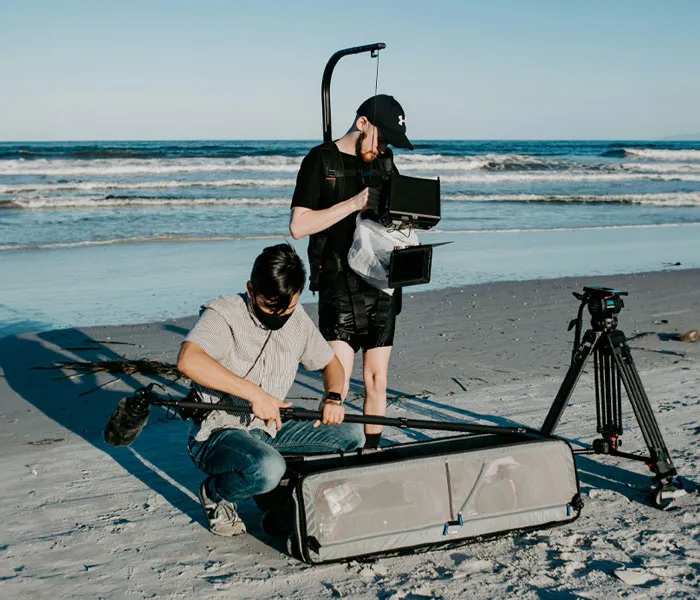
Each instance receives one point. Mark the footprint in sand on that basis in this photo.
(634, 576)
(608, 496)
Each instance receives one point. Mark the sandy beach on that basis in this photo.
(149, 156)
(84, 520)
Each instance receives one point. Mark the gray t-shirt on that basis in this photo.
(229, 332)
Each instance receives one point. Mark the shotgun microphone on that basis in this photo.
(129, 418)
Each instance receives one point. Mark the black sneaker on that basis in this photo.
(276, 523)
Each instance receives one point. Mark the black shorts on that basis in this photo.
(336, 311)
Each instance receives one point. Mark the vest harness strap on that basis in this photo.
(334, 174)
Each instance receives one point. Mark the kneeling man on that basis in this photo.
(245, 350)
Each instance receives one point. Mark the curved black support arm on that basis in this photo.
(326, 82)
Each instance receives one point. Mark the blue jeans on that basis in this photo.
(244, 463)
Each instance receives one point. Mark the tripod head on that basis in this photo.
(604, 304)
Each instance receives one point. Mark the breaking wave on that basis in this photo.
(141, 185)
(567, 176)
(72, 168)
(110, 201)
(486, 162)
(431, 163)
(654, 154)
(667, 199)
(114, 201)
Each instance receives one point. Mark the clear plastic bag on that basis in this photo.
(342, 499)
(370, 252)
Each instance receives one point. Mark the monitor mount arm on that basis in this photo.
(373, 49)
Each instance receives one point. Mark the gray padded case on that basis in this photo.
(430, 493)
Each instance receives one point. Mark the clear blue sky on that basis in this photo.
(231, 69)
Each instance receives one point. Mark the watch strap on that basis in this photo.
(334, 396)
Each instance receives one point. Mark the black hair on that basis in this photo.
(278, 273)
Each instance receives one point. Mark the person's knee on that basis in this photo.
(353, 436)
(359, 439)
(268, 473)
(376, 381)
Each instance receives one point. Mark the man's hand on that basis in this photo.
(332, 413)
(267, 408)
(367, 199)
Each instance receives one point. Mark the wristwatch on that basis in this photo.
(334, 396)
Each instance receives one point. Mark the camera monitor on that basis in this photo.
(410, 266)
(411, 201)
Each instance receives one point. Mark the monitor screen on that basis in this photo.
(415, 195)
(410, 266)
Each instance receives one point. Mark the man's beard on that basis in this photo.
(367, 156)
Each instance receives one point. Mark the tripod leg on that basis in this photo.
(660, 460)
(578, 362)
(608, 400)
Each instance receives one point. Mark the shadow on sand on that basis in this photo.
(159, 457)
(592, 473)
(74, 404)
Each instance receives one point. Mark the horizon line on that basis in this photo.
(689, 138)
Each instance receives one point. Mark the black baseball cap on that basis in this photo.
(386, 113)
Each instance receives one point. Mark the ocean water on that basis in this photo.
(72, 212)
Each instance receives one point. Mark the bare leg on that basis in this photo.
(376, 367)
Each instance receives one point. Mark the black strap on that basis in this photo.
(333, 190)
(358, 302)
(257, 358)
(383, 305)
(357, 296)
(398, 301)
(334, 175)
(199, 415)
(334, 172)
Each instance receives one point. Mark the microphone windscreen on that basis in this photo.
(126, 422)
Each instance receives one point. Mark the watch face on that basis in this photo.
(335, 396)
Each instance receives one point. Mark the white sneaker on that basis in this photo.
(222, 516)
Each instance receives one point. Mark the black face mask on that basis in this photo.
(272, 322)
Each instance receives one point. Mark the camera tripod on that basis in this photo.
(613, 369)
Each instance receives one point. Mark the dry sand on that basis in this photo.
(83, 520)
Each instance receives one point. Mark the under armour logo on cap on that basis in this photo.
(385, 112)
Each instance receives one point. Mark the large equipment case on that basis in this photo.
(424, 494)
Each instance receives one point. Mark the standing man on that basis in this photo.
(245, 350)
(336, 181)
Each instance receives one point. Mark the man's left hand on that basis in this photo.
(332, 413)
